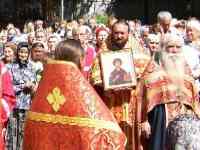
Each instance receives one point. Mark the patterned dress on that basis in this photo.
(183, 133)
(21, 75)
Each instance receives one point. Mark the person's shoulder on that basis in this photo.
(133, 42)
(123, 70)
(31, 64)
(14, 68)
(3, 67)
(2, 64)
(187, 47)
(174, 30)
(154, 67)
(189, 50)
(14, 65)
(155, 76)
(141, 59)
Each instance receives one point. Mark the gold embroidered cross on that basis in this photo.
(56, 99)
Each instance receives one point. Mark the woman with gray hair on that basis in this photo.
(191, 49)
(153, 46)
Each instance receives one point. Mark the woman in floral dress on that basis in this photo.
(24, 80)
(183, 133)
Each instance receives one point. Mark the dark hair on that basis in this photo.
(117, 60)
(69, 50)
(121, 21)
(19, 46)
(12, 45)
(37, 44)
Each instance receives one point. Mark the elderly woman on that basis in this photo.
(24, 80)
(144, 32)
(191, 50)
(193, 33)
(153, 46)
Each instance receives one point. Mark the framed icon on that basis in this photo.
(118, 69)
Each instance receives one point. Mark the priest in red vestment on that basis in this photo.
(163, 94)
(66, 113)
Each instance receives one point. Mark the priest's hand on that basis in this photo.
(146, 129)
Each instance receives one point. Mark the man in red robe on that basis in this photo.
(66, 113)
(131, 106)
(163, 94)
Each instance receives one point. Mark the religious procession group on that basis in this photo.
(80, 85)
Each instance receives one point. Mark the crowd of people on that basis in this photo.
(161, 112)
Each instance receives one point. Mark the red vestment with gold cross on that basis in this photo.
(67, 114)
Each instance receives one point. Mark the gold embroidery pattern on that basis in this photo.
(79, 121)
(125, 111)
(56, 99)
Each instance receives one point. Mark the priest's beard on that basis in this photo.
(174, 67)
(119, 43)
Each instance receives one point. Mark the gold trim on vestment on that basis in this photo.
(154, 76)
(51, 61)
(78, 121)
(188, 78)
(156, 90)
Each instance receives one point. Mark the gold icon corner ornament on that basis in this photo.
(56, 99)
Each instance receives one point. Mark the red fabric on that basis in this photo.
(81, 101)
(100, 29)
(88, 61)
(8, 93)
(2, 142)
(155, 88)
(8, 96)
